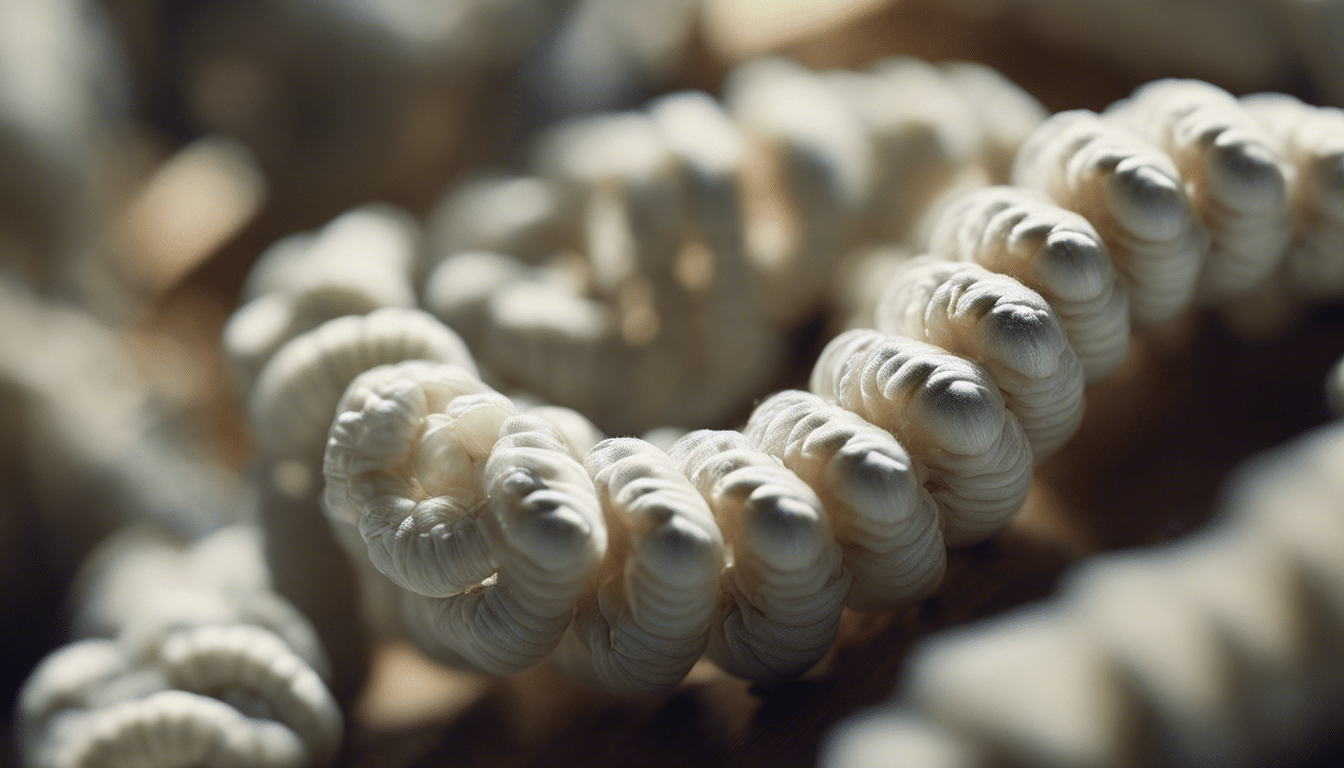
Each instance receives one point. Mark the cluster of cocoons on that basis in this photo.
(496, 536)
(1220, 649)
(188, 659)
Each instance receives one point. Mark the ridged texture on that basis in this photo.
(1001, 324)
(221, 696)
(645, 617)
(1311, 142)
(401, 466)
(782, 593)
(1222, 649)
(1051, 250)
(1234, 177)
(545, 527)
(948, 413)
(873, 491)
(292, 405)
(1133, 195)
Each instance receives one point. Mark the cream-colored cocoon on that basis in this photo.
(1001, 324)
(948, 412)
(1234, 177)
(1310, 140)
(886, 522)
(1133, 195)
(1049, 249)
(646, 615)
(782, 593)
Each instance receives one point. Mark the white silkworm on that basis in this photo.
(1133, 195)
(949, 414)
(1234, 178)
(484, 516)
(873, 491)
(1001, 324)
(782, 592)
(1051, 250)
(645, 616)
(1311, 142)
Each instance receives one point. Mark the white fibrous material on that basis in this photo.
(1221, 649)
(949, 414)
(1051, 250)
(1234, 178)
(1311, 142)
(807, 182)
(1000, 324)
(579, 434)
(219, 696)
(646, 615)
(893, 739)
(359, 262)
(784, 589)
(295, 397)
(1133, 195)
(483, 516)
(926, 138)
(885, 520)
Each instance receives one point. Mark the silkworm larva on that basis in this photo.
(949, 414)
(545, 527)
(1000, 324)
(1234, 178)
(1134, 196)
(885, 521)
(645, 617)
(784, 588)
(1311, 142)
(1051, 250)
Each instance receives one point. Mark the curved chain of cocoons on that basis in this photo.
(545, 527)
(1002, 325)
(785, 586)
(1311, 142)
(1234, 178)
(291, 407)
(246, 700)
(1049, 249)
(1224, 648)
(646, 615)
(1134, 196)
(885, 521)
(949, 414)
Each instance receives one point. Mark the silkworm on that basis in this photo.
(874, 493)
(782, 592)
(1308, 140)
(484, 516)
(1133, 195)
(646, 615)
(1000, 324)
(949, 414)
(1051, 250)
(1234, 178)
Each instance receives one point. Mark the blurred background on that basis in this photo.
(153, 150)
